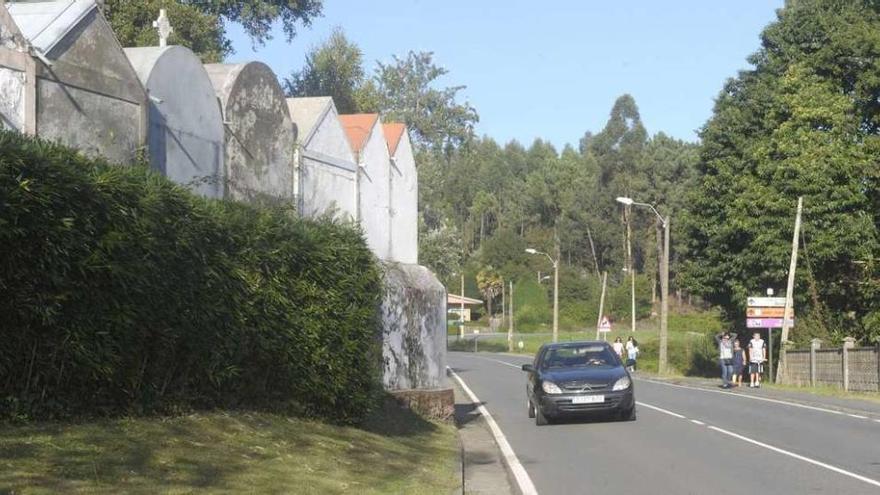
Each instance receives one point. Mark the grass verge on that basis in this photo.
(395, 451)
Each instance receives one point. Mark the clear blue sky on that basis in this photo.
(551, 72)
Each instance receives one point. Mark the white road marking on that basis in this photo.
(526, 486)
(799, 457)
(499, 361)
(753, 397)
(857, 416)
(660, 409)
(698, 422)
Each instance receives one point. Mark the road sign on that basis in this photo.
(765, 322)
(767, 302)
(768, 312)
(605, 325)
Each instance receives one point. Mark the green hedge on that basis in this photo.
(122, 293)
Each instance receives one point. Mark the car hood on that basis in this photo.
(597, 373)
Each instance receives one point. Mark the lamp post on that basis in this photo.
(555, 291)
(664, 280)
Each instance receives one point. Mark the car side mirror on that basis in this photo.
(528, 367)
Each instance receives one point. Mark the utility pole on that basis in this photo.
(664, 294)
(632, 272)
(556, 295)
(510, 321)
(789, 292)
(461, 329)
(601, 304)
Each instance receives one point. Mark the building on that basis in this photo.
(260, 137)
(64, 77)
(370, 150)
(326, 170)
(404, 195)
(186, 137)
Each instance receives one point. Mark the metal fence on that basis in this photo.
(848, 367)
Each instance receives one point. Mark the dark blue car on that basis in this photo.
(578, 378)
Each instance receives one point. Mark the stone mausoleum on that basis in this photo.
(260, 137)
(186, 137)
(326, 169)
(65, 77)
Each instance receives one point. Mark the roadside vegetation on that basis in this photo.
(393, 451)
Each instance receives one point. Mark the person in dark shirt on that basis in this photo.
(725, 356)
(739, 362)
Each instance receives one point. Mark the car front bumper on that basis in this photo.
(562, 404)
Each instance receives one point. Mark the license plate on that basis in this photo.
(588, 399)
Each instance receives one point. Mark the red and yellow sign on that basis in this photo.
(768, 313)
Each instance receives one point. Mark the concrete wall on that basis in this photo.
(414, 329)
(260, 137)
(404, 204)
(186, 137)
(328, 171)
(374, 189)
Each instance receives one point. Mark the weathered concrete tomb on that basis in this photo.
(373, 179)
(326, 169)
(186, 138)
(64, 77)
(260, 137)
(404, 195)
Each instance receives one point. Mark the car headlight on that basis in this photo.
(550, 388)
(622, 384)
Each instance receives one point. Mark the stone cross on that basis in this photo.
(163, 26)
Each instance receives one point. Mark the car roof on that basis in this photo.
(579, 343)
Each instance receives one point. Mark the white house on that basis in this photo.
(404, 194)
(373, 179)
(65, 77)
(326, 175)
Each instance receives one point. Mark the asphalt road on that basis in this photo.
(685, 440)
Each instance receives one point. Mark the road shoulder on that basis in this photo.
(483, 469)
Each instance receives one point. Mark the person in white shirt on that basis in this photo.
(757, 356)
(632, 353)
(618, 347)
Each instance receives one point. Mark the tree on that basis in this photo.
(335, 68)
(200, 31)
(405, 91)
(199, 25)
(490, 284)
(803, 122)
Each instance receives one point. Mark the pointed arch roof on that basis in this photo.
(358, 127)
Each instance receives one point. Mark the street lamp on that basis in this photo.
(555, 291)
(664, 279)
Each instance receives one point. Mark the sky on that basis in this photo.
(550, 72)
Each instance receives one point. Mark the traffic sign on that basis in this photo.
(768, 312)
(766, 322)
(605, 325)
(767, 302)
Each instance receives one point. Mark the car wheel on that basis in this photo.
(540, 419)
(628, 414)
(531, 409)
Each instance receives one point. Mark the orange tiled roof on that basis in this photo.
(393, 133)
(357, 128)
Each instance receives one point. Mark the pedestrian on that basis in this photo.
(618, 347)
(632, 353)
(725, 356)
(739, 362)
(757, 356)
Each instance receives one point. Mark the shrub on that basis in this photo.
(122, 293)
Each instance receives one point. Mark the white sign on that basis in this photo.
(605, 325)
(767, 302)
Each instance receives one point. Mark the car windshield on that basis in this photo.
(578, 356)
